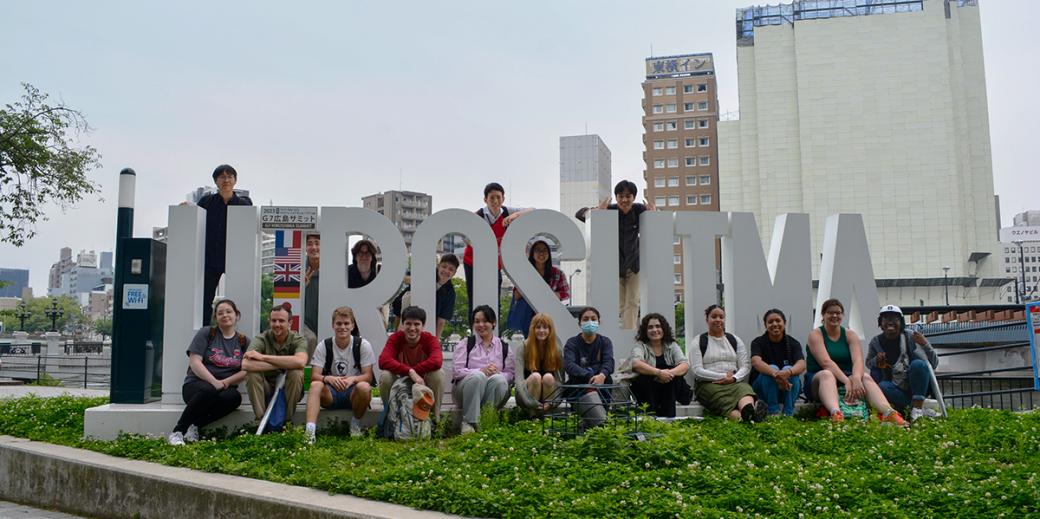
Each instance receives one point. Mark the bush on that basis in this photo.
(979, 462)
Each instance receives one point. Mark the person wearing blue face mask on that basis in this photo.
(588, 358)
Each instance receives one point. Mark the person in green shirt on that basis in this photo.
(277, 349)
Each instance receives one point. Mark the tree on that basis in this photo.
(103, 327)
(38, 166)
(38, 321)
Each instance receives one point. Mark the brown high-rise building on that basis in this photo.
(680, 124)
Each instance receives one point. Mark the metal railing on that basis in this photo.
(93, 372)
(1012, 388)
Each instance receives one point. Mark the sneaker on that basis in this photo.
(761, 410)
(467, 429)
(747, 413)
(355, 427)
(192, 435)
(920, 412)
(837, 417)
(311, 436)
(175, 438)
(893, 417)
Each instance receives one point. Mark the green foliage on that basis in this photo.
(978, 463)
(103, 326)
(458, 325)
(38, 166)
(679, 325)
(266, 299)
(47, 380)
(38, 321)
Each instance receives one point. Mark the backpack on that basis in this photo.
(704, 342)
(471, 342)
(397, 421)
(355, 348)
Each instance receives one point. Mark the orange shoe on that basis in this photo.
(893, 417)
(837, 417)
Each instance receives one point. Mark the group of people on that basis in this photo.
(717, 368)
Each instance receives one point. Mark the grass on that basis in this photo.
(977, 463)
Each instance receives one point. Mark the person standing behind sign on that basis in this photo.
(210, 388)
(216, 205)
(498, 216)
(520, 311)
(310, 292)
(628, 247)
(363, 270)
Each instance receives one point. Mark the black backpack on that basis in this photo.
(355, 347)
(471, 342)
(704, 342)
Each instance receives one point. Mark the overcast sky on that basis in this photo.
(321, 103)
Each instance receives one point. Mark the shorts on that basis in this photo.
(340, 399)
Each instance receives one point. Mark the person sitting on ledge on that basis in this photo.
(415, 353)
(657, 366)
(214, 370)
(720, 364)
(836, 357)
(898, 361)
(540, 361)
(341, 374)
(588, 359)
(779, 363)
(484, 369)
(271, 352)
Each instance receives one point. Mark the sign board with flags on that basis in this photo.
(288, 272)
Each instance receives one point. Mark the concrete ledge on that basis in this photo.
(84, 482)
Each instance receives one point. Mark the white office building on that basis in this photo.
(877, 108)
(584, 181)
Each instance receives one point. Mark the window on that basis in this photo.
(671, 126)
(669, 108)
(659, 201)
(676, 241)
(691, 162)
(705, 161)
(705, 180)
(669, 91)
(703, 142)
(691, 180)
(690, 143)
(659, 182)
(673, 181)
(688, 107)
(687, 89)
(673, 144)
(688, 124)
(703, 87)
(702, 106)
(676, 259)
(673, 163)
(705, 199)
(656, 92)
(673, 201)
(658, 109)
(678, 279)
(703, 123)
(1007, 249)
(658, 145)
(658, 127)
(691, 200)
(659, 164)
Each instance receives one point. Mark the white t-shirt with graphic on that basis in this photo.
(343, 358)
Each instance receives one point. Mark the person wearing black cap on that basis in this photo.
(216, 204)
(898, 360)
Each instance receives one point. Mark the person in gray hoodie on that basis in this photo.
(899, 360)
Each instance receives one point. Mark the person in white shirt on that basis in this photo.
(721, 363)
(341, 374)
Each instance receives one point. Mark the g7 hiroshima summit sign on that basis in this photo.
(753, 282)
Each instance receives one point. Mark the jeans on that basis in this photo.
(768, 390)
(920, 382)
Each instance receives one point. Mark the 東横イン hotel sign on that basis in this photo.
(677, 66)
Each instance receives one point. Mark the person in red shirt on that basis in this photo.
(498, 216)
(415, 353)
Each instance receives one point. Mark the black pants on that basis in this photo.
(469, 294)
(660, 398)
(211, 279)
(205, 404)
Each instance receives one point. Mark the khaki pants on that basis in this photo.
(260, 388)
(434, 380)
(628, 299)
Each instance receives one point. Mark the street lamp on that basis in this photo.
(21, 314)
(570, 283)
(54, 313)
(946, 283)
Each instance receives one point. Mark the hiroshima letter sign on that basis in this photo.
(753, 281)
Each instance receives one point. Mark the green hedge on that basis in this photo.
(977, 463)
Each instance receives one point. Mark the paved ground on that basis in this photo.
(45, 391)
(16, 511)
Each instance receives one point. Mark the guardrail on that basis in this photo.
(64, 370)
(1011, 389)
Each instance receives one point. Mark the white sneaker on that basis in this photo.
(467, 428)
(192, 435)
(175, 438)
(921, 412)
(355, 427)
(311, 433)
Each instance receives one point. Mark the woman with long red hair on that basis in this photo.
(539, 362)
